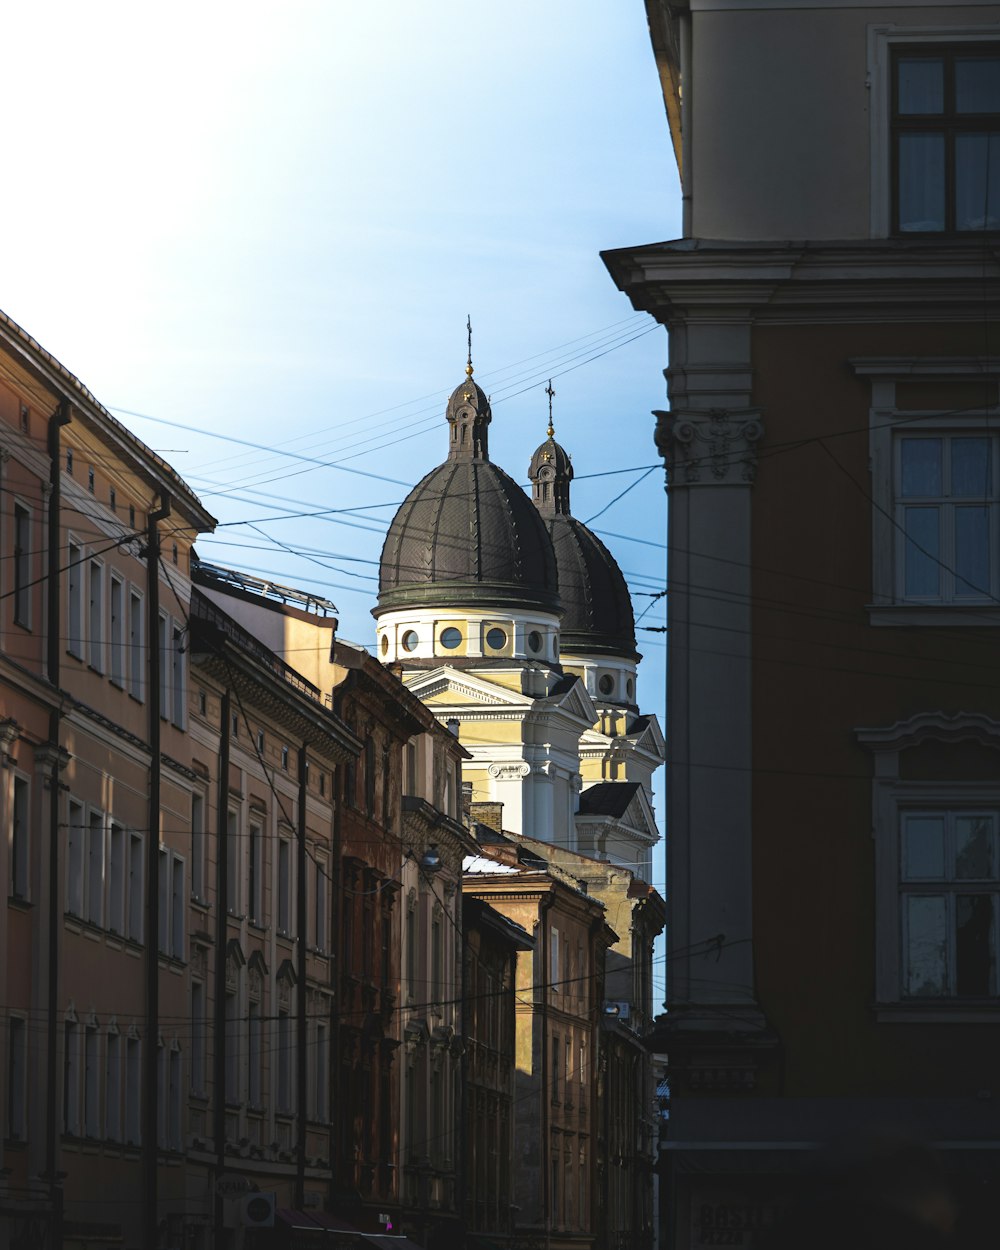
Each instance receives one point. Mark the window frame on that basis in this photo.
(885, 41)
(96, 615)
(947, 123)
(22, 562)
(888, 424)
(892, 795)
(19, 871)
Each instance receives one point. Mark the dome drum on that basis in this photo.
(416, 638)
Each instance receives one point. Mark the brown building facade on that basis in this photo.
(831, 457)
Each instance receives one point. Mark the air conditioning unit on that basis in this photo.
(257, 1210)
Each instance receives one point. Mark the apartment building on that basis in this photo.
(830, 446)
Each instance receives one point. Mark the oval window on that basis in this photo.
(451, 638)
(384, 644)
(534, 641)
(496, 638)
(630, 687)
(606, 684)
(410, 640)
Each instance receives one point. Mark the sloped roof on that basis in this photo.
(607, 798)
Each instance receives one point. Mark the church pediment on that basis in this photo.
(450, 685)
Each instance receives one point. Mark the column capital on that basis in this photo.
(710, 446)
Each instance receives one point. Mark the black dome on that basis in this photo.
(467, 535)
(597, 608)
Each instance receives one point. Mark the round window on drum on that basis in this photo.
(606, 684)
(535, 641)
(496, 639)
(410, 640)
(451, 638)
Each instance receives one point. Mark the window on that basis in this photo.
(321, 1083)
(162, 636)
(450, 638)
(949, 894)
(254, 1049)
(69, 461)
(437, 958)
(116, 878)
(113, 1085)
(173, 901)
(284, 908)
(91, 1081)
(19, 839)
(284, 1091)
(95, 616)
(74, 859)
(113, 499)
(175, 1093)
(320, 911)
(946, 138)
(136, 645)
(177, 677)
(17, 1078)
(554, 958)
(284, 758)
(935, 465)
(74, 600)
(255, 874)
(555, 1084)
(947, 517)
(22, 566)
(233, 1081)
(71, 1079)
(94, 892)
(198, 846)
(90, 478)
(233, 866)
(117, 632)
(936, 818)
(135, 888)
(197, 1038)
(133, 1091)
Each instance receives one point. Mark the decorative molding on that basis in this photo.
(510, 772)
(916, 729)
(714, 447)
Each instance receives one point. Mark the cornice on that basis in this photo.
(854, 280)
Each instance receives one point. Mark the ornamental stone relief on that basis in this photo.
(714, 447)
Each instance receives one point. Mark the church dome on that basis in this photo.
(597, 608)
(467, 535)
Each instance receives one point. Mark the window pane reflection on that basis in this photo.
(921, 182)
(921, 85)
(926, 968)
(974, 955)
(977, 84)
(977, 182)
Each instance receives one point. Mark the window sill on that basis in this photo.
(938, 1012)
(896, 615)
(19, 902)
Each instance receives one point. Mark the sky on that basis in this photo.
(268, 222)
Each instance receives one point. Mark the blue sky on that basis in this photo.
(270, 222)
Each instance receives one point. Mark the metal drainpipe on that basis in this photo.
(546, 906)
(150, 1110)
(59, 418)
(221, 920)
(595, 1050)
(336, 782)
(300, 995)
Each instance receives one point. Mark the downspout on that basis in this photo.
(597, 982)
(546, 906)
(59, 418)
(687, 99)
(150, 1110)
(221, 921)
(336, 782)
(300, 996)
